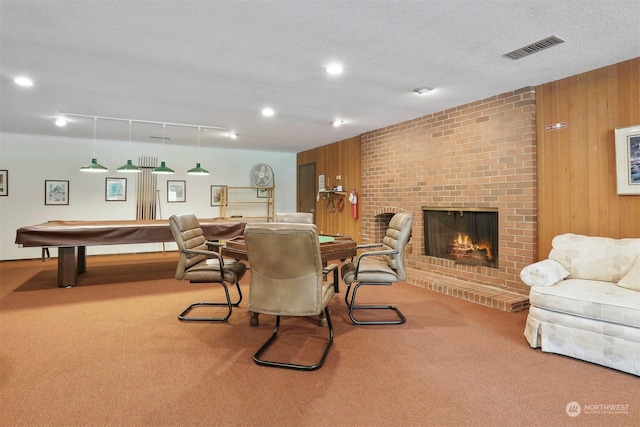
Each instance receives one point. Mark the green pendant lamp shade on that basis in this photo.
(163, 170)
(198, 170)
(94, 166)
(129, 167)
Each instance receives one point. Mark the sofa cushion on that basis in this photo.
(632, 279)
(590, 299)
(543, 273)
(595, 258)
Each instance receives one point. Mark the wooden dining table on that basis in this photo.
(331, 248)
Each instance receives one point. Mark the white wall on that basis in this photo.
(32, 159)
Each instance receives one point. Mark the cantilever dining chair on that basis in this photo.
(379, 268)
(294, 217)
(288, 279)
(199, 265)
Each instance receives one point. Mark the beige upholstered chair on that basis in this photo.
(199, 265)
(287, 279)
(294, 217)
(379, 268)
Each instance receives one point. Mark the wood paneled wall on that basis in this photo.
(576, 164)
(338, 159)
(576, 168)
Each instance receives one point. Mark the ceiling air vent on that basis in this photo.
(535, 47)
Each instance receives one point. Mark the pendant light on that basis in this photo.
(129, 167)
(163, 169)
(198, 170)
(94, 166)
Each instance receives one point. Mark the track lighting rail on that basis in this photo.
(142, 121)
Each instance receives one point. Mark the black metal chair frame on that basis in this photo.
(229, 303)
(259, 361)
(182, 316)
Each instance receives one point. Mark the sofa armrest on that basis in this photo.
(543, 273)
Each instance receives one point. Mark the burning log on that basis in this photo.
(465, 251)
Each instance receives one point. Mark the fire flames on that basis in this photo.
(463, 246)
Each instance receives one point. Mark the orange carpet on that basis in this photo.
(111, 352)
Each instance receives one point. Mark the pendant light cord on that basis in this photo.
(198, 144)
(95, 123)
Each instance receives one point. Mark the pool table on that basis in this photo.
(69, 235)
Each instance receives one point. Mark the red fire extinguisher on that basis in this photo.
(353, 199)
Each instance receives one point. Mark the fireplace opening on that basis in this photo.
(465, 235)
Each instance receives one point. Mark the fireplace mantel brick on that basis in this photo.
(481, 154)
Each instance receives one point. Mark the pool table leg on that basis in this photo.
(82, 259)
(67, 275)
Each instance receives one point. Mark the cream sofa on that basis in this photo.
(585, 301)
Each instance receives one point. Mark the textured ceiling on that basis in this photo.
(218, 63)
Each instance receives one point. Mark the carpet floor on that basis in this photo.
(111, 352)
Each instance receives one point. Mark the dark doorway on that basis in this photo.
(307, 189)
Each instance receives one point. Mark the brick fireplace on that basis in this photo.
(478, 156)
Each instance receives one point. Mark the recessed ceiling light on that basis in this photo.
(337, 123)
(334, 69)
(23, 81)
(423, 90)
(60, 121)
(268, 112)
(232, 135)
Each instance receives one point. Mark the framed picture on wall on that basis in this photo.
(56, 192)
(217, 194)
(176, 191)
(628, 160)
(115, 189)
(4, 182)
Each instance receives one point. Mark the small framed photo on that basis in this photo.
(176, 191)
(4, 182)
(628, 160)
(217, 195)
(115, 189)
(56, 192)
(264, 193)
